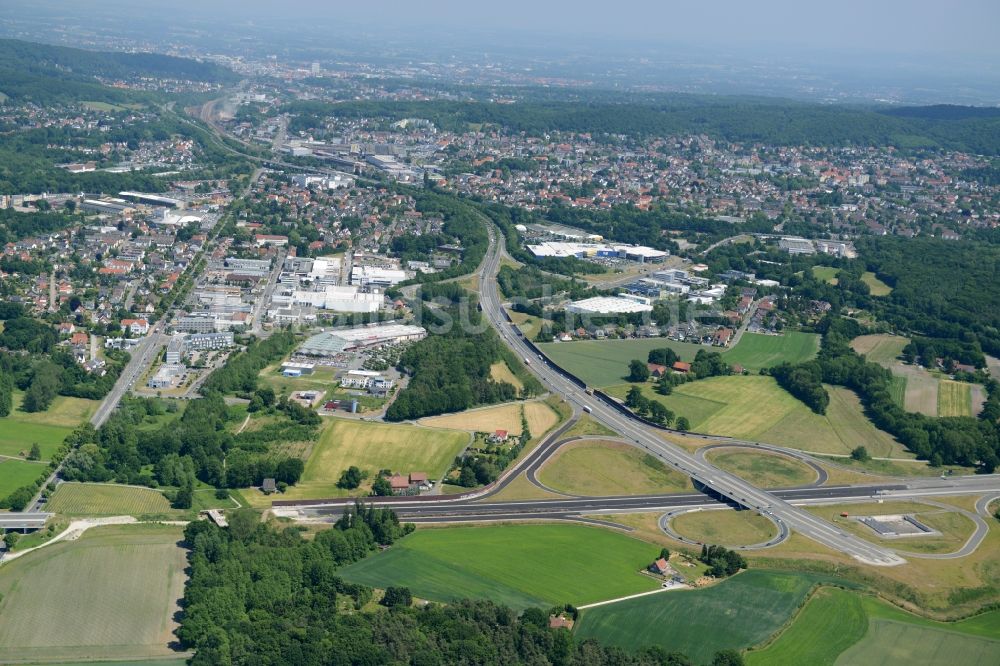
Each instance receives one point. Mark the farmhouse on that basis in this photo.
(656, 370)
(681, 366)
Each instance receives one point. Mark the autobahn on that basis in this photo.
(723, 483)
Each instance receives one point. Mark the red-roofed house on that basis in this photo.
(660, 566)
(499, 436)
(681, 366)
(398, 482)
(656, 370)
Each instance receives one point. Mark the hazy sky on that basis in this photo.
(952, 27)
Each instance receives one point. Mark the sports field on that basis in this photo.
(737, 613)
(507, 417)
(20, 430)
(605, 362)
(517, 565)
(593, 467)
(111, 594)
(89, 499)
(954, 398)
(880, 348)
(17, 473)
(765, 470)
(726, 527)
(756, 408)
(371, 447)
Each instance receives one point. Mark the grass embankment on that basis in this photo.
(593, 467)
(111, 594)
(765, 470)
(518, 565)
(725, 526)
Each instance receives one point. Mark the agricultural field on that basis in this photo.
(754, 407)
(809, 640)
(765, 470)
(869, 631)
(90, 499)
(897, 390)
(507, 417)
(112, 594)
(525, 322)
(517, 565)
(921, 393)
(880, 348)
(17, 473)
(875, 286)
(594, 467)
(726, 527)
(20, 430)
(737, 613)
(501, 373)
(371, 447)
(605, 362)
(954, 398)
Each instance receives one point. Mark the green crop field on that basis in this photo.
(756, 408)
(517, 565)
(17, 473)
(842, 627)
(766, 470)
(593, 467)
(605, 362)
(737, 613)
(111, 594)
(89, 499)
(371, 447)
(830, 622)
(954, 398)
(755, 351)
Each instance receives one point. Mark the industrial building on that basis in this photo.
(331, 343)
(624, 304)
(331, 297)
(152, 199)
(371, 276)
(638, 253)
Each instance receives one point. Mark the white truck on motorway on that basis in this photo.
(587, 409)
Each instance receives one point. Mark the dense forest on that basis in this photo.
(257, 595)
(744, 119)
(450, 370)
(941, 289)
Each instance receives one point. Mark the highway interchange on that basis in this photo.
(783, 507)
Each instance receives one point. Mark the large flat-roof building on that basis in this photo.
(331, 343)
(330, 297)
(625, 304)
(638, 253)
